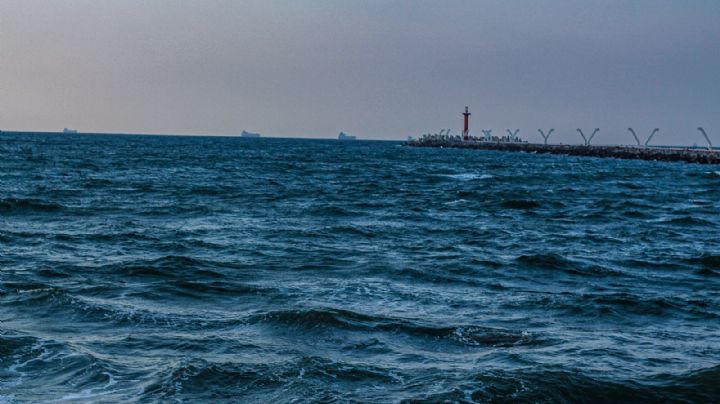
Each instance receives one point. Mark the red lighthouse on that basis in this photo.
(466, 131)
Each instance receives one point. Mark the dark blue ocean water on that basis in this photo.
(275, 270)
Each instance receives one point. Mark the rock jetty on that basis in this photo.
(690, 155)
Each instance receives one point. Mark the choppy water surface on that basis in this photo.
(171, 268)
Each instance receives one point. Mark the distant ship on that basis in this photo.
(345, 136)
(69, 131)
(249, 134)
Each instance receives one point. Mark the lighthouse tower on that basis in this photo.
(466, 130)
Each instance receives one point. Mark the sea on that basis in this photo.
(227, 269)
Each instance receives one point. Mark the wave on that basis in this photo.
(217, 190)
(131, 235)
(208, 290)
(521, 204)
(334, 318)
(17, 205)
(624, 307)
(707, 272)
(171, 267)
(42, 370)
(351, 230)
(456, 202)
(470, 335)
(59, 305)
(551, 261)
(436, 276)
(93, 183)
(549, 385)
(319, 379)
(636, 214)
(630, 185)
(654, 264)
(688, 221)
(706, 261)
(556, 262)
(332, 211)
(309, 377)
(631, 303)
(13, 345)
(313, 318)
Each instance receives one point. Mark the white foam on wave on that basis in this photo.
(91, 394)
(35, 290)
(469, 176)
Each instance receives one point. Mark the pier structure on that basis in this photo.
(512, 143)
(544, 135)
(647, 142)
(588, 139)
(710, 146)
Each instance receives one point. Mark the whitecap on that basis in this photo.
(469, 176)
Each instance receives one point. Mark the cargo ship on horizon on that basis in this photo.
(250, 134)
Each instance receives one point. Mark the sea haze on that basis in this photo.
(202, 269)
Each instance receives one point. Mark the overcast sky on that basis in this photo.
(374, 68)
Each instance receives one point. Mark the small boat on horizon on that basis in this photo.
(249, 134)
(345, 136)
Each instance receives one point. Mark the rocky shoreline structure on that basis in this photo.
(689, 155)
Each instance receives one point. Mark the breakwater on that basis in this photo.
(690, 155)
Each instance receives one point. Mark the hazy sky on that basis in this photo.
(377, 69)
